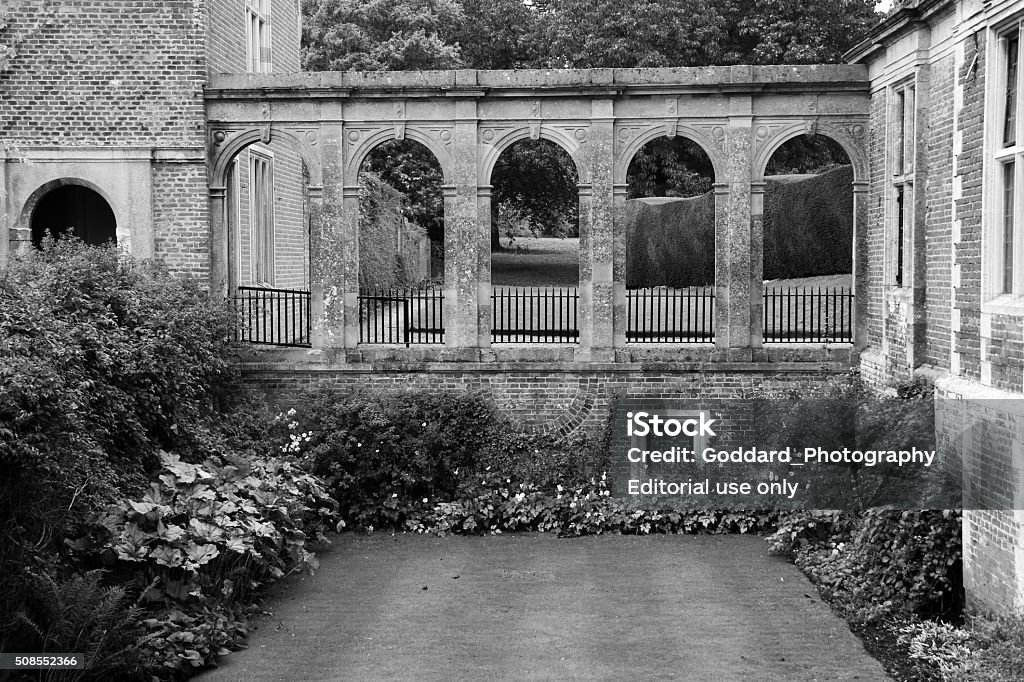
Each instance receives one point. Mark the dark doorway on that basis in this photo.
(77, 210)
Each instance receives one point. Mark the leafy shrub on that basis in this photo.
(103, 362)
(372, 448)
(909, 561)
(204, 538)
(997, 651)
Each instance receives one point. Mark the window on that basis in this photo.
(261, 217)
(257, 15)
(1008, 246)
(903, 152)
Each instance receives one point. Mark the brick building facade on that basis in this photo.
(103, 105)
(945, 254)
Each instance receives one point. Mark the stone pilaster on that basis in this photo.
(861, 265)
(329, 258)
(483, 268)
(219, 274)
(620, 322)
(601, 147)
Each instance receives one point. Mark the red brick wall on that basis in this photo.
(939, 214)
(104, 72)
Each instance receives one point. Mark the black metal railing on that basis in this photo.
(667, 315)
(808, 315)
(534, 315)
(279, 317)
(401, 316)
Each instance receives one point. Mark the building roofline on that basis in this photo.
(893, 25)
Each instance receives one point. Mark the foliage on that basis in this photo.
(103, 361)
(390, 245)
(541, 178)
(997, 645)
(79, 615)
(670, 243)
(903, 561)
(940, 648)
(664, 167)
(380, 35)
(412, 170)
(204, 538)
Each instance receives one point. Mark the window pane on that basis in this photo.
(908, 130)
(1008, 236)
(901, 117)
(1010, 118)
(900, 228)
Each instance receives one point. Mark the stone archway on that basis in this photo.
(70, 207)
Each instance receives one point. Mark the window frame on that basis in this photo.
(262, 260)
(902, 167)
(257, 37)
(1005, 284)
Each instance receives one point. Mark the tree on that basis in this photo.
(794, 31)
(380, 35)
(540, 178)
(499, 34)
(642, 33)
(410, 168)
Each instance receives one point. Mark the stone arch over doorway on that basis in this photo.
(72, 203)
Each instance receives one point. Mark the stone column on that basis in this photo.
(757, 264)
(327, 251)
(861, 293)
(218, 244)
(601, 144)
(738, 244)
(585, 305)
(620, 320)
(484, 306)
(463, 238)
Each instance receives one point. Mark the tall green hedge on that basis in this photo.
(808, 230)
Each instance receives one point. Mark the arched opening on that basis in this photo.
(401, 245)
(669, 223)
(535, 237)
(72, 209)
(808, 243)
(267, 225)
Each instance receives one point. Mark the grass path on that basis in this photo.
(535, 607)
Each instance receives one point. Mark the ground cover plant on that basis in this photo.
(134, 528)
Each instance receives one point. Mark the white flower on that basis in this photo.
(424, 500)
(423, 424)
(559, 486)
(394, 494)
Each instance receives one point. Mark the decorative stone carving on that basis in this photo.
(534, 130)
(265, 134)
(353, 136)
(400, 130)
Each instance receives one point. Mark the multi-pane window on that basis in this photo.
(1009, 252)
(903, 151)
(257, 15)
(261, 217)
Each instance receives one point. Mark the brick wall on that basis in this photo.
(110, 72)
(227, 36)
(556, 397)
(180, 217)
(290, 233)
(939, 213)
(967, 252)
(876, 218)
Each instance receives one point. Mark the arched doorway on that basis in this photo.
(72, 209)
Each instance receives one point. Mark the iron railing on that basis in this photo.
(401, 316)
(808, 315)
(279, 317)
(667, 315)
(534, 315)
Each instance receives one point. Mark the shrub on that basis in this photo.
(205, 538)
(103, 361)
